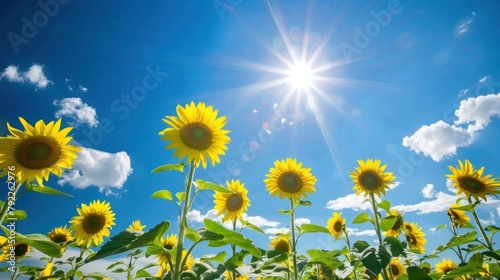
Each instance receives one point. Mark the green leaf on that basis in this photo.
(462, 270)
(163, 194)
(314, 228)
(180, 196)
(188, 275)
(42, 243)
(360, 245)
(325, 258)
(495, 270)
(142, 273)
(210, 235)
(191, 234)
(458, 240)
(441, 226)
(305, 203)
(283, 211)
(220, 257)
(467, 207)
(492, 229)
(416, 273)
(125, 241)
(116, 264)
(388, 222)
(375, 258)
(361, 218)
(230, 237)
(492, 255)
(176, 167)
(397, 248)
(204, 185)
(48, 190)
(385, 204)
(249, 225)
(16, 215)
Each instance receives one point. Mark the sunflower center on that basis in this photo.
(290, 182)
(472, 185)
(21, 249)
(60, 239)
(413, 239)
(197, 136)
(234, 202)
(395, 270)
(93, 223)
(37, 152)
(337, 226)
(282, 246)
(369, 180)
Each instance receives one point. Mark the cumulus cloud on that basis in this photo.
(301, 221)
(464, 25)
(74, 108)
(353, 201)
(441, 140)
(104, 170)
(490, 221)
(428, 191)
(357, 232)
(83, 89)
(441, 202)
(34, 75)
(269, 227)
(478, 111)
(484, 79)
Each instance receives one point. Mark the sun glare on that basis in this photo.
(301, 77)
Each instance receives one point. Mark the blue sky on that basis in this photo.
(411, 83)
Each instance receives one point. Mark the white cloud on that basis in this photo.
(274, 231)
(438, 140)
(261, 222)
(490, 221)
(73, 107)
(357, 232)
(441, 202)
(34, 75)
(483, 79)
(301, 221)
(428, 191)
(104, 170)
(465, 23)
(478, 110)
(498, 211)
(463, 92)
(83, 89)
(353, 201)
(449, 186)
(70, 88)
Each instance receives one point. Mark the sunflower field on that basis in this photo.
(198, 138)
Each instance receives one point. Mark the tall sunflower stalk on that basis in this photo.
(336, 226)
(369, 178)
(473, 184)
(290, 180)
(196, 133)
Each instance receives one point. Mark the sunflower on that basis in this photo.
(486, 267)
(289, 179)
(397, 228)
(445, 266)
(472, 182)
(369, 177)
(415, 237)
(235, 203)
(61, 236)
(196, 134)
(229, 276)
(94, 222)
(163, 261)
(37, 151)
(281, 243)
(168, 243)
(336, 225)
(135, 226)
(397, 268)
(47, 271)
(457, 217)
(20, 250)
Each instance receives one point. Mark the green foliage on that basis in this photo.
(168, 167)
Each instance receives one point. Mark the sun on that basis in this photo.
(301, 77)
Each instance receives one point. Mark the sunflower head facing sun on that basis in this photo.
(457, 217)
(92, 223)
(234, 203)
(472, 182)
(135, 226)
(37, 151)
(336, 225)
(20, 250)
(415, 237)
(369, 177)
(196, 133)
(397, 268)
(281, 243)
(61, 236)
(289, 179)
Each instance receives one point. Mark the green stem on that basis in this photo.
(377, 228)
(294, 248)
(182, 221)
(459, 252)
(129, 270)
(233, 247)
(350, 255)
(483, 233)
